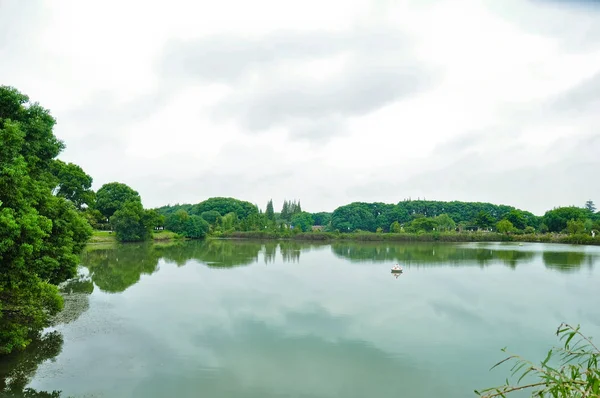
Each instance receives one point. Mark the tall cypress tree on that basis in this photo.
(270, 213)
(285, 211)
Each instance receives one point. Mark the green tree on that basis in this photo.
(94, 218)
(517, 219)
(241, 208)
(445, 223)
(190, 226)
(132, 223)
(73, 184)
(41, 234)
(529, 230)
(556, 219)
(590, 206)
(504, 226)
(484, 219)
(422, 224)
(112, 196)
(212, 217)
(229, 221)
(321, 218)
(302, 220)
(395, 227)
(195, 227)
(575, 227)
(269, 212)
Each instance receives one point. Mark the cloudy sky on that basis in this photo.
(324, 101)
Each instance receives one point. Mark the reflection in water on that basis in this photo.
(270, 252)
(566, 261)
(427, 253)
(265, 361)
(214, 253)
(18, 368)
(115, 268)
(243, 341)
(290, 251)
(452, 254)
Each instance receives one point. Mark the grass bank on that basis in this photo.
(110, 237)
(579, 239)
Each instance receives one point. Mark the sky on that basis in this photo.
(327, 102)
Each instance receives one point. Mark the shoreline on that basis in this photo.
(450, 237)
(105, 237)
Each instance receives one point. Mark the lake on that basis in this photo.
(286, 319)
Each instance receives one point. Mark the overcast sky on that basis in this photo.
(329, 102)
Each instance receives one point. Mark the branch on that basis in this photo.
(513, 389)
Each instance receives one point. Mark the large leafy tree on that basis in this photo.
(303, 221)
(241, 208)
(112, 196)
(40, 234)
(73, 184)
(517, 218)
(132, 223)
(190, 226)
(556, 219)
(270, 212)
(445, 222)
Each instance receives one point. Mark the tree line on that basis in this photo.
(409, 216)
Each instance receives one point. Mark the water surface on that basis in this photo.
(248, 319)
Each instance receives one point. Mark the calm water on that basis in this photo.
(244, 319)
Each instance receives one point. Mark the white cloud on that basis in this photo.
(326, 101)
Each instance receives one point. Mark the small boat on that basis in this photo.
(396, 269)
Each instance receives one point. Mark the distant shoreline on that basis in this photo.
(461, 237)
(580, 239)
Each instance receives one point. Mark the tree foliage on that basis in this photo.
(321, 218)
(422, 224)
(303, 221)
(73, 184)
(504, 226)
(289, 209)
(445, 222)
(223, 206)
(190, 226)
(590, 206)
(112, 196)
(212, 216)
(41, 234)
(132, 223)
(270, 212)
(556, 219)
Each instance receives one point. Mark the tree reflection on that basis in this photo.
(214, 253)
(17, 369)
(565, 261)
(428, 254)
(290, 251)
(113, 269)
(270, 252)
